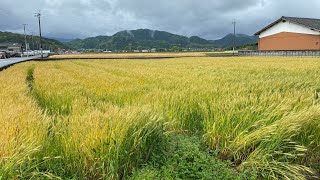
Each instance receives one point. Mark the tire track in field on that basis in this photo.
(48, 105)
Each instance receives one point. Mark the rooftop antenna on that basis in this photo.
(234, 36)
(25, 38)
(38, 15)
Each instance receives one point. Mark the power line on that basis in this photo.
(38, 15)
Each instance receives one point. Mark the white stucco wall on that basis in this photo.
(287, 27)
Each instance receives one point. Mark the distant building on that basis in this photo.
(12, 47)
(290, 33)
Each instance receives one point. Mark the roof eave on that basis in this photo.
(270, 25)
(281, 19)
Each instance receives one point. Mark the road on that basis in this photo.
(10, 61)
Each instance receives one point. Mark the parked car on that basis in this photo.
(5, 54)
(2, 55)
(13, 54)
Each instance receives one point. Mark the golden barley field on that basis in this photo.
(180, 118)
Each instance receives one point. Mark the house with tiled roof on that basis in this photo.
(290, 33)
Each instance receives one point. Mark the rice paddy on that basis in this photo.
(134, 55)
(187, 118)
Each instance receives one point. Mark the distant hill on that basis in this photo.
(147, 39)
(139, 39)
(63, 40)
(241, 40)
(8, 37)
(134, 39)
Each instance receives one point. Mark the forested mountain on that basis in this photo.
(241, 40)
(8, 37)
(131, 40)
(147, 39)
(139, 39)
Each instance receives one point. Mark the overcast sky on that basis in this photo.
(210, 19)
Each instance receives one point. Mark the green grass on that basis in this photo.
(186, 157)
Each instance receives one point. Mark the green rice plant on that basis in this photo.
(16, 165)
(128, 144)
(30, 77)
(276, 145)
(52, 104)
(185, 112)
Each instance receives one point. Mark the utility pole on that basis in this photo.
(234, 36)
(32, 42)
(25, 38)
(38, 15)
(130, 47)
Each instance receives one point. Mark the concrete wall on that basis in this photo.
(289, 41)
(280, 53)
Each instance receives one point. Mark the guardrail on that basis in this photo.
(35, 53)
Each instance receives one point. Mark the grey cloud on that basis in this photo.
(209, 19)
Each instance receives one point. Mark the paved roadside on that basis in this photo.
(10, 61)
